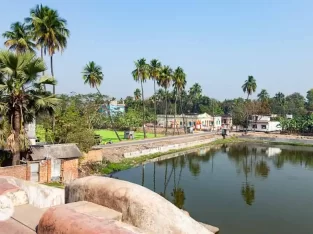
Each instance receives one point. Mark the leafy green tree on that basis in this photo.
(179, 83)
(195, 93)
(137, 94)
(165, 81)
(92, 75)
(155, 72)
(295, 104)
(280, 100)
(309, 98)
(249, 86)
(141, 74)
(19, 38)
(22, 95)
(263, 96)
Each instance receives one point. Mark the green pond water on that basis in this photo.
(242, 188)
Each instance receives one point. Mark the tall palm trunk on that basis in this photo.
(181, 111)
(51, 66)
(175, 112)
(144, 112)
(43, 73)
(17, 130)
(155, 110)
(107, 107)
(247, 114)
(166, 112)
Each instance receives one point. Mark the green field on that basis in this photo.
(106, 135)
(109, 135)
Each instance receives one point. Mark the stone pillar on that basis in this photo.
(48, 170)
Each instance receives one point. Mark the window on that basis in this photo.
(181, 123)
(263, 126)
(254, 126)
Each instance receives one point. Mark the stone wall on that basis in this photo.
(18, 171)
(69, 170)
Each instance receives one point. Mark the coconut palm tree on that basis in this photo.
(22, 95)
(249, 86)
(155, 71)
(50, 31)
(141, 74)
(92, 75)
(281, 100)
(165, 82)
(19, 38)
(263, 96)
(179, 83)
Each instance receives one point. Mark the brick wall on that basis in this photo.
(19, 171)
(69, 170)
(45, 171)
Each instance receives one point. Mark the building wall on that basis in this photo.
(69, 170)
(45, 171)
(264, 127)
(18, 171)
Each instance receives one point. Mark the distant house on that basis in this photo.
(199, 121)
(263, 123)
(114, 108)
(227, 121)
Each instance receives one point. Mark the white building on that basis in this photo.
(263, 123)
(199, 121)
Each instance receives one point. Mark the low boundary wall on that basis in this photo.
(167, 148)
(279, 140)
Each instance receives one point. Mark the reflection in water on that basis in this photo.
(231, 175)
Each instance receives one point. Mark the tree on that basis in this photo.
(141, 74)
(92, 75)
(165, 82)
(249, 86)
(179, 83)
(263, 96)
(137, 94)
(309, 98)
(19, 38)
(49, 31)
(279, 98)
(195, 93)
(155, 71)
(22, 95)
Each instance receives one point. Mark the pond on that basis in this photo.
(241, 188)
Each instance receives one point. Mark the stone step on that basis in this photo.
(12, 226)
(94, 210)
(28, 215)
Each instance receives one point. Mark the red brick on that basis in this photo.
(18, 171)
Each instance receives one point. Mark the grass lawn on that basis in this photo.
(109, 135)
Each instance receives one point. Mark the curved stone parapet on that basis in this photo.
(67, 221)
(139, 206)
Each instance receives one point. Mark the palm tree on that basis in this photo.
(49, 30)
(37, 15)
(263, 96)
(281, 100)
(92, 75)
(155, 71)
(249, 86)
(19, 38)
(141, 74)
(22, 95)
(195, 94)
(179, 83)
(137, 94)
(165, 82)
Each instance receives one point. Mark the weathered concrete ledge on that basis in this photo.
(278, 140)
(164, 149)
(38, 195)
(139, 206)
(67, 221)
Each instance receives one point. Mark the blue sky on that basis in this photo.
(218, 43)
